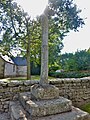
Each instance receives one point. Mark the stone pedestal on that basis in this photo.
(44, 103)
(45, 100)
(44, 92)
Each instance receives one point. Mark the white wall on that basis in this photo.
(10, 70)
(21, 70)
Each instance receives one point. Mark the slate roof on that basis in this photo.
(19, 61)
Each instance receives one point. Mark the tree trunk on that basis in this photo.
(44, 50)
(28, 54)
(28, 61)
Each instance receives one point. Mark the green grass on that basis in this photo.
(86, 107)
(35, 77)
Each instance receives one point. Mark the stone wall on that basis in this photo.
(77, 90)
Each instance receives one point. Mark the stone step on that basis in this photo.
(75, 114)
(18, 113)
(44, 107)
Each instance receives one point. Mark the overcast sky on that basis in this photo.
(79, 40)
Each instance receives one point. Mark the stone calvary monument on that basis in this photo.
(44, 102)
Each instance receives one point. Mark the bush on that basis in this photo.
(53, 68)
(70, 74)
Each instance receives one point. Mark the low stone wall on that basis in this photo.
(77, 90)
(9, 91)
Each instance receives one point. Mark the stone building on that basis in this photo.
(11, 67)
(21, 66)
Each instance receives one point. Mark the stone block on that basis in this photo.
(75, 114)
(16, 111)
(48, 107)
(44, 107)
(44, 92)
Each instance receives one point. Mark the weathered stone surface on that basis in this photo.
(15, 83)
(48, 107)
(3, 83)
(45, 107)
(23, 97)
(44, 92)
(16, 111)
(75, 114)
(30, 82)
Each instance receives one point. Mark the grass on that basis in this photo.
(33, 77)
(86, 107)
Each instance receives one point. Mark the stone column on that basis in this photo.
(44, 90)
(44, 48)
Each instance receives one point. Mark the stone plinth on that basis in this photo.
(18, 113)
(45, 92)
(45, 107)
(48, 107)
(75, 114)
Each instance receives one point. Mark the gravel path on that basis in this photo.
(4, 116)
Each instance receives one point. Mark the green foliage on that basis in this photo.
(70, 74)
(35, 69)
(78, 61)
(66, 15)
(53, 68)
(82, 60)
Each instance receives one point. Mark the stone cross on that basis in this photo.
(44, 48)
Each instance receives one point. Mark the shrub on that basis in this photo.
(70, 74)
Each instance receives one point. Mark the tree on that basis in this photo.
(63, 17)
(76, 62)
(82, 59)
(16, 30)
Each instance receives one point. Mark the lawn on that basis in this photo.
(86, 107)
(33, 77)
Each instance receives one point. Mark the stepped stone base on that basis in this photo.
(75, 114)
(18, 113)
(44, 92)
(44, 103)
(45, 107)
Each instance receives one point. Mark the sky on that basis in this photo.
(79, 40)
(33, 7)
(74, 40)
